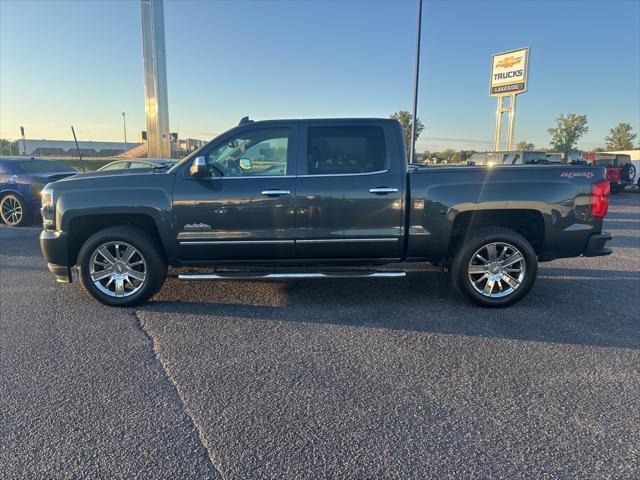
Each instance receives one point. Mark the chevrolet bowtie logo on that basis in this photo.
(509, 62)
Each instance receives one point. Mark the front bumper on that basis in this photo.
(595, 245)
(55, 250)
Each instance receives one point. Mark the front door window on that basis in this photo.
(256, 153)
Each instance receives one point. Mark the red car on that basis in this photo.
(620, 171)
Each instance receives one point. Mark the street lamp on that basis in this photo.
(412, 147)
(124, 126)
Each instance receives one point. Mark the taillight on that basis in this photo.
(600, 199)
(614, 174)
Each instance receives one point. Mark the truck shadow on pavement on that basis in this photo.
(565, 309)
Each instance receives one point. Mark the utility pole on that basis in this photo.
(415, 84)
(124, 125)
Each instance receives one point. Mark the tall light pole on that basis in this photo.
(124, 126)
(415, 84)
(24, 142)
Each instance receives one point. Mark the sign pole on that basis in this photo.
(512, 116)
(155, 79)
(498, 124)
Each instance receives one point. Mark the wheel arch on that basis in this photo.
(81, 228)
(526, 222)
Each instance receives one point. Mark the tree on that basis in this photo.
(8, 147)
(524, 145)
(406, 119)
(620, 137)
(567, 131)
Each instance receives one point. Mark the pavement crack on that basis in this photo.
(152, 345)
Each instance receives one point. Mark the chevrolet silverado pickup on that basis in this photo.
(319, 199)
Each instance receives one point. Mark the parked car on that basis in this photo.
(621, 172)
(322, 195)
(524, 157)
(21, 180)
(150, 163)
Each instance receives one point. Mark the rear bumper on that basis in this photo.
(596, 245)
(54, 246)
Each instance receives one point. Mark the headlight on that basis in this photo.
(47, 210)
(46, 197)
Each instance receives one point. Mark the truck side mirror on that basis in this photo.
(198, 168)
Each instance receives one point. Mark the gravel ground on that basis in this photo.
(324, 379)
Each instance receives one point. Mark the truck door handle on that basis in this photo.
(382, 190)
(275, 193)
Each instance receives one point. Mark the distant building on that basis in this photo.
(67, 148)
(191, 144)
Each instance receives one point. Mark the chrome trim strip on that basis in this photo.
(344, 174)
(302, 176)
(383, 190)
(252, 176)
(345, 240)
(276, 192)
(234, 242)
(275, 276)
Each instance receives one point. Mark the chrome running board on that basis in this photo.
(280, 276)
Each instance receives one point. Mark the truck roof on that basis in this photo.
(245, 121)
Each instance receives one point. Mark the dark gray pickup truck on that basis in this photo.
(320, 198)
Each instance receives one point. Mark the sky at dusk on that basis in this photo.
(79, 63)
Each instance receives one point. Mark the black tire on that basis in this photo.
(14, 211)
(478, 240)
(155, 265)
(628, 173)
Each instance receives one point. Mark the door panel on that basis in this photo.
(245, 210)
(227, 219)
(349, 202)
(337, 217)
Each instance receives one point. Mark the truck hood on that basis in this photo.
(142, 178)
(117, 173)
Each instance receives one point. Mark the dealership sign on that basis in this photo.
(509, 72)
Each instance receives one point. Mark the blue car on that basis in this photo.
(21, 180)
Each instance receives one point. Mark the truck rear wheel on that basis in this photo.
(496, 267)
(121, 266)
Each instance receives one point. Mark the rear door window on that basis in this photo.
(345, 150)
(116, 166)
(605, 161)
(140, 165)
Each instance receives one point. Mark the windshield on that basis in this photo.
(43, 166)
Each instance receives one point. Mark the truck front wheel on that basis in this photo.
(121, 266)
(495, 267)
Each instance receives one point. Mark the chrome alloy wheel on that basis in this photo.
(496, 269)
(117, 269)
(11, 210)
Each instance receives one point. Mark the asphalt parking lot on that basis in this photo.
(316, 379)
